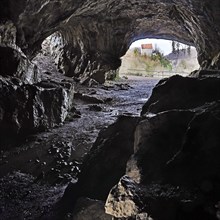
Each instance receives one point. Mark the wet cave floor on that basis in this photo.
(34, 175)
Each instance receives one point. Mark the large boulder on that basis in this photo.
(130, 200)
(174, 171)
(182, 93)
(157, 140)
(25, 109)
(197, 162)
(106, 161)
(177, 159)
(13, 62)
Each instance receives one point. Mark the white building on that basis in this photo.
(146, 49)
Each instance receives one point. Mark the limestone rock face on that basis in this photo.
(157, 140)
(121, 200)
(182, 93)
(29, 108)
(174, 171)
(97, 33)
(175, 152)
(106, 161)
(13, 62)
(197, 163)
(179, 147)
(130, 200)
(74, 62)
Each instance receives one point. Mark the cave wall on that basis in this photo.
(98, 33)
(13, 62)
(174, 171)
(90, 37)
(28, 103)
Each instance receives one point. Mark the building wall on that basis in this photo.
(146, 51)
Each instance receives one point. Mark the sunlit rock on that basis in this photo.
(121, 200)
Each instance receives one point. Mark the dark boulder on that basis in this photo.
(130, 200)
(177, 157)
(25, 109)
(157, 140)
(198, 161)
(8, 61)
(182, 93)
(106, 161)
(174, 170)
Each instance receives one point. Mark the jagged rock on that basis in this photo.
(54, 45)
(112, 74)
(88, 98)
(157, 140)
(29, 108)
(65, 60)
(198, 161)
(177, 147)
(182, 93)
(205, 73)
(106, 161)
(95, 108)
(176, 163)
(121, 200)
(13, 61)
(129, 200)
(187, 185)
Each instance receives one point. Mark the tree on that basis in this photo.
(136, 51)
(173, 46)
(178, 47)
(189, 50)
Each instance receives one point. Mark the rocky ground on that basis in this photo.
(34, 174)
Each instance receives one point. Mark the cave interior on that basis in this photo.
(161, 164)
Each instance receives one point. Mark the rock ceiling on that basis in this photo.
(105, 29)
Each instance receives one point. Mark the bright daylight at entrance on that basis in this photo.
(159, 58)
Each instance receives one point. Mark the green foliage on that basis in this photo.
(189, 50)
(173, 46)
(164, 62)
(149, 64)
(136, 52)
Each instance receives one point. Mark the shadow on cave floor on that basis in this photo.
(33, 175)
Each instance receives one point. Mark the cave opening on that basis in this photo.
(152, 57)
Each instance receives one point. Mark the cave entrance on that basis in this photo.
(158, 58)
